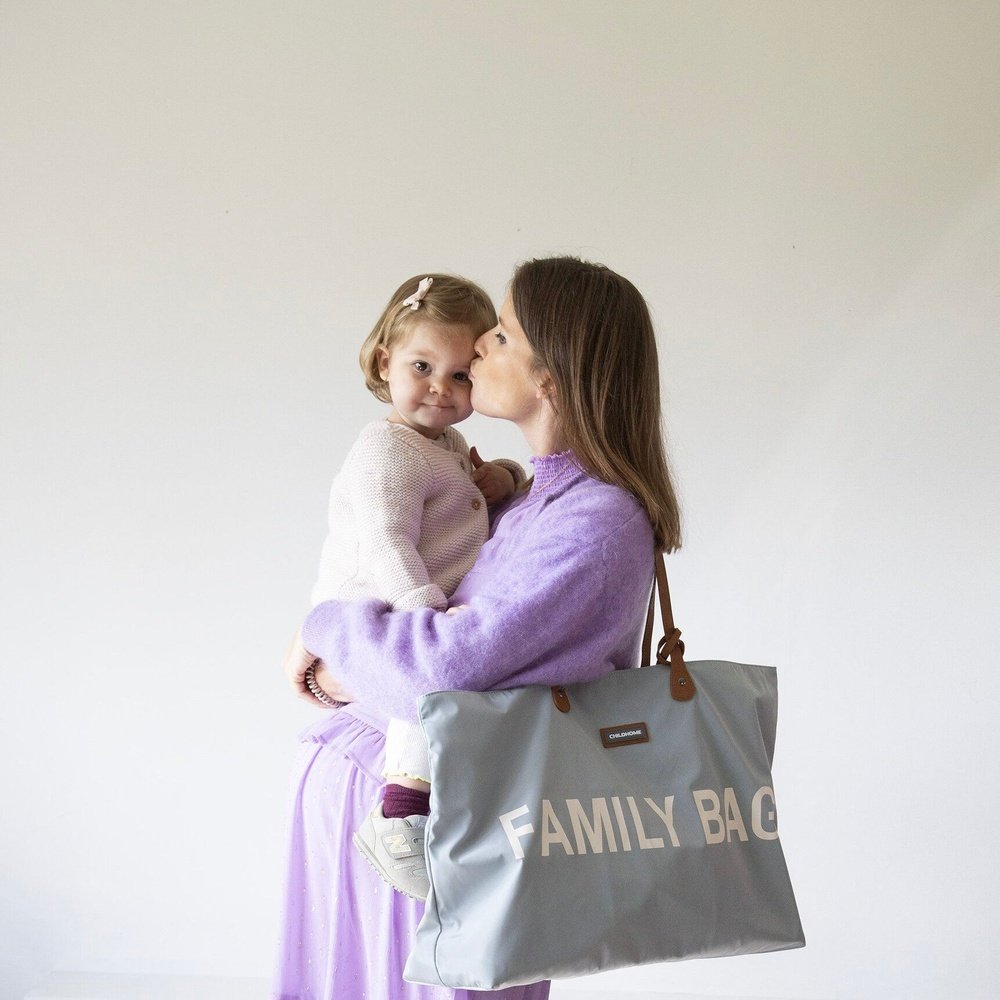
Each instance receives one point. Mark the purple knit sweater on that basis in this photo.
(557, 595)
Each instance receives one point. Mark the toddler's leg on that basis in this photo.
(392, 837)
(407, 771)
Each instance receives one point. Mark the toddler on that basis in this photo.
(408, 515)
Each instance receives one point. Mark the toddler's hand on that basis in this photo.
(455, 610)
(494, 481)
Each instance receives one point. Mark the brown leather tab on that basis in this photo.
(681, 683)
(561, 698)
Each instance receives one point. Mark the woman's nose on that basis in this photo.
(480, 345)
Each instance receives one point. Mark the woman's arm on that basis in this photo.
(554, 617)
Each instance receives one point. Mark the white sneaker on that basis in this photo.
(395, 849)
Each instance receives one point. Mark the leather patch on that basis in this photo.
(561, 698)
(623, 736)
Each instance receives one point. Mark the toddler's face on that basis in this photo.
(428, 376)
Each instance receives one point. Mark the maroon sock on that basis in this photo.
(399, 802)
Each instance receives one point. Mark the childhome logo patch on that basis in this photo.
(623, 736)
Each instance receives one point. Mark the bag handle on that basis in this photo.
(669, 648)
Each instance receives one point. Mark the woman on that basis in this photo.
(557, 595)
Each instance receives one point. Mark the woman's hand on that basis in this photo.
(297, 661)
(494, 481)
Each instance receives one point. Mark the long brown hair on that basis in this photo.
(591, 330)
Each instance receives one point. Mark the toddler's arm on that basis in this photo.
(497, 480)
(387, 493)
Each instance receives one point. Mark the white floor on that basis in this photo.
(93, 986)
(568, 991)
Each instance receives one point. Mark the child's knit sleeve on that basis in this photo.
(388, 483)
(516, 470)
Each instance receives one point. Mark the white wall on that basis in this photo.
(204, 206)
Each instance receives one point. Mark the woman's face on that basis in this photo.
(505, 380)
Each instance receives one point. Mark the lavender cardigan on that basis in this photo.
(557, 595)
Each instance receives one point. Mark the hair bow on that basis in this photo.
(414, 300)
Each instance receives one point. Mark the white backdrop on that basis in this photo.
(205, 205)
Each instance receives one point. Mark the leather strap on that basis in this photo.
(669, 650)
(647, 634)
(670, 647)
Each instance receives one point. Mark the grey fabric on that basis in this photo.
(614, 871)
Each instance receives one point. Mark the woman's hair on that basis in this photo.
(450, 300)
(591, 330)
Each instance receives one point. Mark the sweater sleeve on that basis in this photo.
(389, 483)
(554, 626)
(513, 468)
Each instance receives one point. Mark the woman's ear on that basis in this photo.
(546, 387)
(382, 355)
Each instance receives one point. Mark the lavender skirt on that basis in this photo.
(346, 934)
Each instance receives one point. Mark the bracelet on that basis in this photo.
(316, 691)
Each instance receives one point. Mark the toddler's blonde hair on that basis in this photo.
(450, 300)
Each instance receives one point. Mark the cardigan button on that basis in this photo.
(476, 504)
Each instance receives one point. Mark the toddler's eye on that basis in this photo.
(501, 339)
(461, 376)
(422, 367)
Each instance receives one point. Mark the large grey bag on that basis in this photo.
(601, 825)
